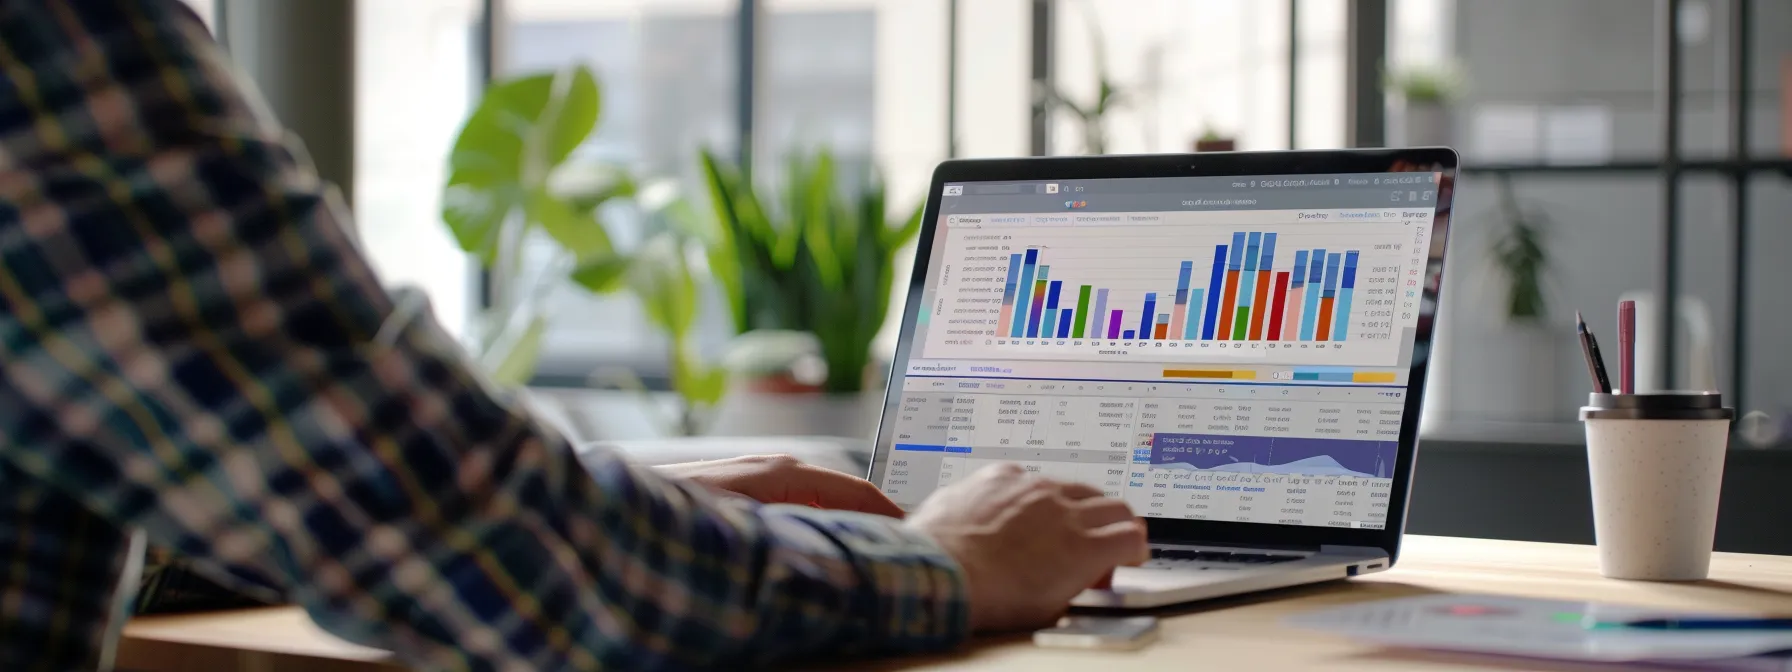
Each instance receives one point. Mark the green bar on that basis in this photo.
(1082, 312)
(1239, 323)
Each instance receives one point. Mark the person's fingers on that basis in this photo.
(1121, 543)
(1105, 582)
(1078, 490)
(1099, 511)
(829, 489)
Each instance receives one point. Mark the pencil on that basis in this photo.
(1589, 347)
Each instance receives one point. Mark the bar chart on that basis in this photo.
(1332, 293)
(1246, 299)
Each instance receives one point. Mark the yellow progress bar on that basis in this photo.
(1372, 377)
(1210, 373)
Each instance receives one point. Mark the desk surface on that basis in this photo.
(1244, 631)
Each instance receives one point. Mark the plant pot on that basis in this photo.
(1425, 124)
(753, 408)
(1216, 145)
(1511, 373)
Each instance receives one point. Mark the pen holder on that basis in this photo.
(1656, 465)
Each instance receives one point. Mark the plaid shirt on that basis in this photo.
(192, 346)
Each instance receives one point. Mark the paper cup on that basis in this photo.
(1656, 463)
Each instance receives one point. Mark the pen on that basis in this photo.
(1627, 347)
(1701, 624)
(1589, 347)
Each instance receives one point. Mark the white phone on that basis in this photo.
(1099, 632)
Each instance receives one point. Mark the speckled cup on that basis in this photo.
(1656, 462)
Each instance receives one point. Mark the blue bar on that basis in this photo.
(1325, 374)
(1341, 312)
(1145, 320)
(1064, 321)
(920, 448)
(1215, 285)
(1182, 274)
(957, 449)
(1309, 317)
(1014, 262)
(1049, 324)
(1126, 335)
(1247, 282)
(1236, 261)
(1269, 253)
(1189, 332)
(1021, 300)
(1298, 279)
(1331, 274)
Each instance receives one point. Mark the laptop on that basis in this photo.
(1233, 343)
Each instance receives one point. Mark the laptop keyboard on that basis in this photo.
(1186, 559)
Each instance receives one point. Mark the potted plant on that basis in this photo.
(808, 269)
(1519, 351)
(1425, 92)
(1212, 141)
(513, 178)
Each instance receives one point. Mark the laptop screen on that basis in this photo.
(1207, 348)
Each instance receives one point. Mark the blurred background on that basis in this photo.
(1612, 149)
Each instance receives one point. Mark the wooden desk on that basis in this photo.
(1244, 631)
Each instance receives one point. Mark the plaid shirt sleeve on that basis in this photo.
(191, 345)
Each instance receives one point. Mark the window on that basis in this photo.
(867, 79)
(864, 78)
(414, 81)
(1184, 69)
(667, 75)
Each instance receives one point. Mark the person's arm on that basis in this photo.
(191, 343)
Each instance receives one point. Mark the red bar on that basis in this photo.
(1323, 330)
(1162, 331)
(1228, 304)
(1258, 306)
(1275, 318)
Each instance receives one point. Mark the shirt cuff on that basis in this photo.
(911, 594)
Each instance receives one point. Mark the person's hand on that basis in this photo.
(782, 479)
(1028, 544)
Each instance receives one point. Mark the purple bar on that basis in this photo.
(1114, 324)
(1264, 454)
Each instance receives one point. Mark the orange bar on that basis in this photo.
(1210, 373)
(1228, 302)
(1260, 305)
(1372, 377)
(1323, 330)
(1161, 332)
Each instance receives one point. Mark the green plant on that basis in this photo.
(1521, 254)
(807, 258)
(512, 178)
(1425, 83)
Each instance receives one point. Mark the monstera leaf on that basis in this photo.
(505, 161)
